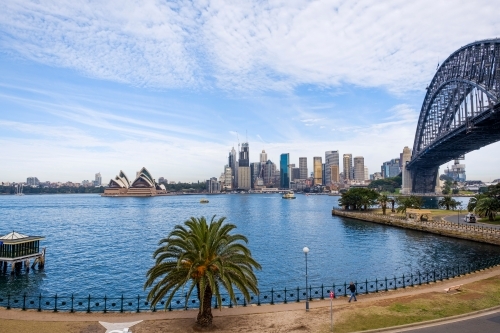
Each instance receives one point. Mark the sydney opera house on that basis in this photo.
(143, 186)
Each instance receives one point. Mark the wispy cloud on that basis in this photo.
(252, 45)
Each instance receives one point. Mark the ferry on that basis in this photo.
(288, 195)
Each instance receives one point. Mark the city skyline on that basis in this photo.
(176, 85)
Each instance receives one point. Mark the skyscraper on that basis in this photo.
(244, 176)
(303, 167)
(347, 159)
(284, 171)
(331, 159)
(318, 170)
(98, 179)
(233, 164)
(263, 156)
(359, 168)
(334, 172)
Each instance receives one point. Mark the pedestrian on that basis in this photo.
(352, 288)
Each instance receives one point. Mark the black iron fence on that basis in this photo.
(139, 303)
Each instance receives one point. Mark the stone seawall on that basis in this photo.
(441, 227)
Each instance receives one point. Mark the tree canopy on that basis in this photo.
(358, 198)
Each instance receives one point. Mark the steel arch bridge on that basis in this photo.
(460, 112)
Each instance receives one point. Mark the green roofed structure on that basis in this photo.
(17, 249)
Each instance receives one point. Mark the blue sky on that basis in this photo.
(171, 85)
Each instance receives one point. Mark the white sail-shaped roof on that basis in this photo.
(14, 235)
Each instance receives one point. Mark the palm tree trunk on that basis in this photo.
(383, 209)
(205, 316)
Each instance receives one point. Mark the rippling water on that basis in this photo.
(102, 245)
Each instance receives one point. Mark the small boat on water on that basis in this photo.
(288, 195)
(204, 201)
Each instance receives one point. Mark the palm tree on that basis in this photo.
(448, 202)
(473, 201)
(382, 201)
(487, 207)
(204, 256)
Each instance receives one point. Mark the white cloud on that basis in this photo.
(255, 45)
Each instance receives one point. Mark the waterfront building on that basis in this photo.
(331, 159)
(32, 181)
(143, 186)
(17, 249)
(255, 171)
(269, 170)
(406, 174)
(244, 176)
(213, 185)
(367, 174)
(359, 168)
(295, 174)
(347, 167)
(457, 172)
(318, 170)
(303, 167)
(227, 183)
(284, 171)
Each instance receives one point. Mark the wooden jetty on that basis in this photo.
(18, 250)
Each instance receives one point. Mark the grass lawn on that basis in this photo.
(435, 212)
(486, 220)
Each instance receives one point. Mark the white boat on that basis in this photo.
(288, 195)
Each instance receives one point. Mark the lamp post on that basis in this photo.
(459, 210)
(306, 250)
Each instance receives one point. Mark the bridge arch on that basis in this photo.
(460, 111)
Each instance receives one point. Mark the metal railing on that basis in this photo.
(139, 303)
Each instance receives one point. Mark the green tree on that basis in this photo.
(382, 201)
(356, 198)
(406, 202)
(448, 202)
(487, 207)
(206, 257)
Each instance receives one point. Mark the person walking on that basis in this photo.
(352, 288)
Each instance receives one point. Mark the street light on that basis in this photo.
(306, 250)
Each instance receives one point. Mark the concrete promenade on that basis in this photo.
(478, 232)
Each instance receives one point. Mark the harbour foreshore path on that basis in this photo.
(340, 302)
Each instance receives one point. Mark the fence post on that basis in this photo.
(138, 300)
(322, 296)
(121, 306)
(334, 291)
(244, 301)
(376, 286)
(395, 283)
(258, 300)
(419, 280)
(72, 300)
(298, 294)
(366, 286)
(404, 284)
(310, 293)
(285, 295)
(215, 304)
(8, 301)
(24, 302)
(386, 284)
(55, 303)
(345, 289)
(40, 303)
(272, 296)
(434, 274)
(411, 277)
(105, 303)
(88, 306)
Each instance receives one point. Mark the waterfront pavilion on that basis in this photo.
(16, 249)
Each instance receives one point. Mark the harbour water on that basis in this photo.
(97, 245)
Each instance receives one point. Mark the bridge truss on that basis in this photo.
(460, 112)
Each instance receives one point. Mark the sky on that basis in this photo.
(103, 86)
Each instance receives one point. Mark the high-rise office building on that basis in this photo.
(255, 170)
(269, 169)
(284, 171)
(367, 174)
(303, 167)
(263, 156)
(32, 181)
(331, 158)
(347, 167)
(233, 164)
(334, 174)
(244, 176)
(318, 170)
(228, 178)
(359, 168)
(98, 179)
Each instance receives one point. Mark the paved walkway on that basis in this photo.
(236, 311)
(459, 218)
